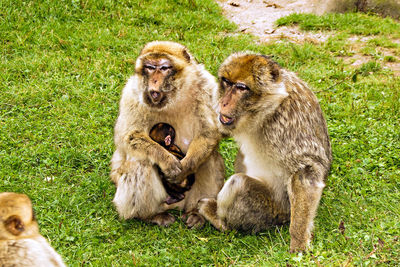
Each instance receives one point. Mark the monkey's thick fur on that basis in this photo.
(187, 93)
(20, 241)
(284, 150)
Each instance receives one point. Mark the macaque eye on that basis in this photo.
(164, 68)
(226, 81)
(241, 86)
(149, 67)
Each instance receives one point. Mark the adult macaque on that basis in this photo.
(168, 86)
(284, 150)
(21, 244)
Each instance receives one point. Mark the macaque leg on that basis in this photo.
(246, 204)
(208, 208)
(140, 194)
(209, 179)
(304, 194)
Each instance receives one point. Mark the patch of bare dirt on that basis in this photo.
(258, 17)
(388, 57)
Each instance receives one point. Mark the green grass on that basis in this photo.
(63, 65)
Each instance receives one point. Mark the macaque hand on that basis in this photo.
(171, 167)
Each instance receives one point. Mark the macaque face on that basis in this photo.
(237, 89)
(233, 96)
(242, 83)
(158, 72)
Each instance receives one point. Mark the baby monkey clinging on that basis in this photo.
(164, 134)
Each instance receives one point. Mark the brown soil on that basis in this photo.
(258, 17)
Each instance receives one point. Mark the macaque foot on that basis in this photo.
(163, 219)
(208, 208)
(193, 219)
(297, 245)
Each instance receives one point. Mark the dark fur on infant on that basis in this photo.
(164, 134)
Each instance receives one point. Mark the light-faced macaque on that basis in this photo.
(164, 134)
(168, 86)
(21, 244)
(284, 150)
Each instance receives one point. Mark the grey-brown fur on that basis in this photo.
(190, 93)
(284, 150)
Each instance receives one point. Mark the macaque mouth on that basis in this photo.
(225, 120)
(158, 102)
(156, 98)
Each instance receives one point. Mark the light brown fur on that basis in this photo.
(284, 150)
(20, 241)
(187, 92)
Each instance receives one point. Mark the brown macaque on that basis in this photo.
(168, 86)
(284, 150)
(21, 244)
(164, 134)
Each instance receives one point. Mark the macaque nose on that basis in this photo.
(155, 95)
(223, 103)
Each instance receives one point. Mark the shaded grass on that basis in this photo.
(63, 67)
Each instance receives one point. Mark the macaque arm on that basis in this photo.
(203, 144)
(141, 146)
(199, 150)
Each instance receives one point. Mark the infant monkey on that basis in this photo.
(164, 134)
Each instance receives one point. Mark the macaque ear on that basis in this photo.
(186, 55)
(14, 225)
(273, 68)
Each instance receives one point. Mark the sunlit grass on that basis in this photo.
(63, 65)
